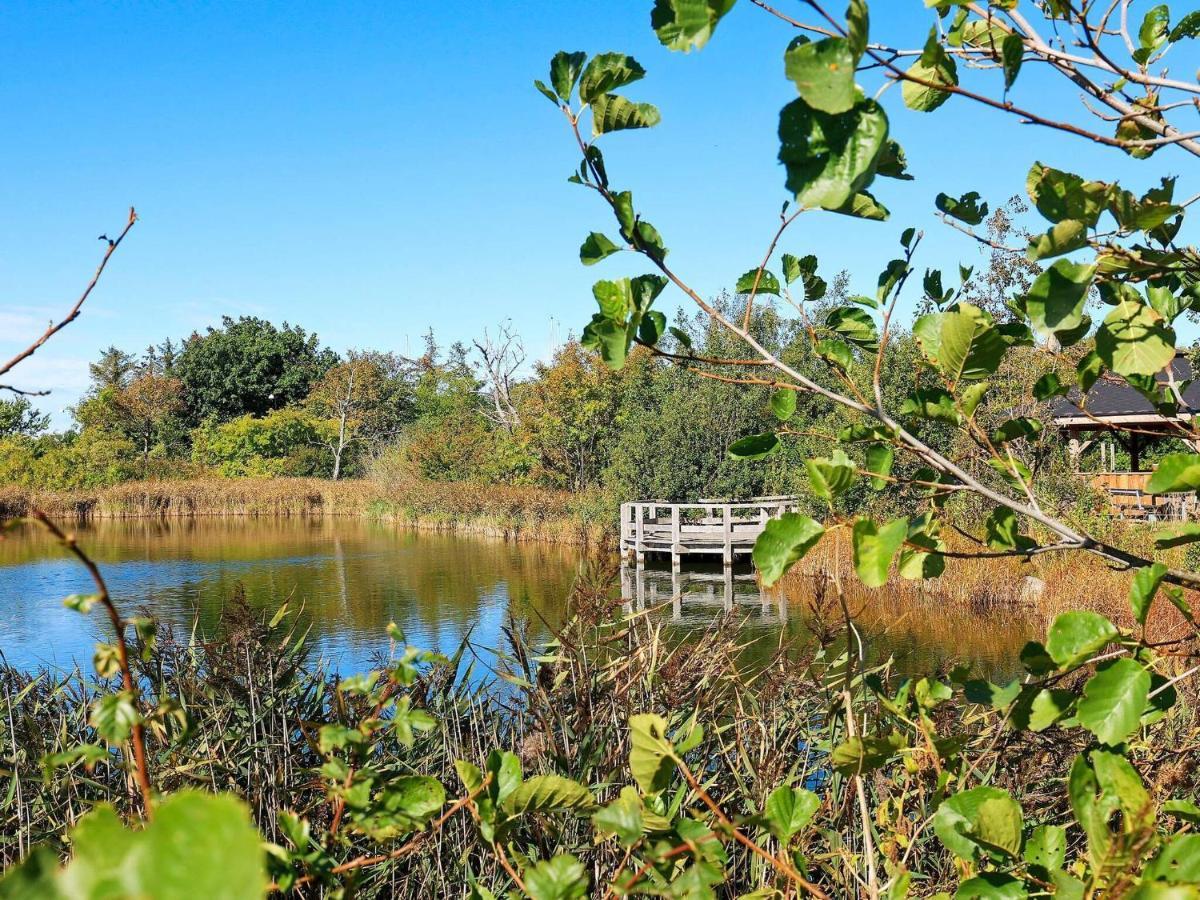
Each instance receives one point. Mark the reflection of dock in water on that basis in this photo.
(697, 597)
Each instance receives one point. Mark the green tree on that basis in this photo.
(248, 367)
(18, 416)
(568, 414)
(367, 400)
(287, 441)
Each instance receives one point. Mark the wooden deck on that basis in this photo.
(1127, 494)
(704, 528)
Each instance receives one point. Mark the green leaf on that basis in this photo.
(1036, 660)
(622, 817)
(406, 721)
(784, 542)
(595, 248)
(1046, 847)
(835, 352)
(783, 404)
(1012, 53)
(1175, 472)
(652, 326)
(992, 886)
(970, 397)
(1056, 299)
(830, 158)
(1188, 27)
(1145, 585)
(681, 336)
(1015, 429)
(1065, 237)
(935, 404)
(1156, 26)
(858, 755)
(1061, 196)
(1075, 636)
(753, 282)
(829, 476)
(1135, 340)
(1003, 531)
(606, 72)
(969, 346)
(81, 603)
(754, 446)
(879, 463)
(560, 878)
(1113, 700)
(858, 26)
(791, 268)
(542, 793)
(854, 324)
(823, 72)
(926, 79)
(505, 769)
(612, 112)
(980, 819)
(652, 757)
(405, 804)
(687, 24)
(966, 208)
(864, 206)
(1188, 533)
(875, 547)
(1183, 809)
(1048, 386)
(1089, 369)
(113, 716)
(564, 72)
(1038, 709)
(1177, 863)
(199, 845)
(545, 91)
(788, 810)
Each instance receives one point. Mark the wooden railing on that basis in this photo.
(704, 527)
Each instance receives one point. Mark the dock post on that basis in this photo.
(727, 531)
(676, 546)
(641, 535)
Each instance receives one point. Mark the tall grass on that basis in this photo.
(253, 699)
(515, 512)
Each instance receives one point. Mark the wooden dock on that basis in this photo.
(704, 528)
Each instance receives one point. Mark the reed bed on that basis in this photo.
(992, 591)
(251, 699)
(513, 512)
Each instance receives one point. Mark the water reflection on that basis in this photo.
(352, 577)
(697, 596)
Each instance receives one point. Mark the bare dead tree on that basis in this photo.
(501, 357)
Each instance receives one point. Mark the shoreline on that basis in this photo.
(513, 513)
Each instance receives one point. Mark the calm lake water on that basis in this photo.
(353, 577)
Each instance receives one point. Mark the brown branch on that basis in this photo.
(406, 849)
(71, 316)
(137, 735)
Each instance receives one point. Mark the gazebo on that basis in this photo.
(1115, 416)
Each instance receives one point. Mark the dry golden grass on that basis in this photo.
(508, 511)
(974, 596)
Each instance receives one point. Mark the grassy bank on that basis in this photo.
(985, 592)
(500, 510)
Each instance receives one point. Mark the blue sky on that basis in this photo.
(370, 170)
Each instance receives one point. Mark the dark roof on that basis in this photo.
(1112, 396)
